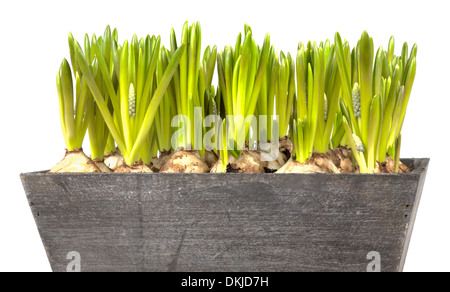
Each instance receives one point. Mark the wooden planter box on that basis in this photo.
(226, 222)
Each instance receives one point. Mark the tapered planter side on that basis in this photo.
(226, 222)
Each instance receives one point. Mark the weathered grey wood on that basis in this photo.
(226, 222)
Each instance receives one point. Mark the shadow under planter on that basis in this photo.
(226, 222)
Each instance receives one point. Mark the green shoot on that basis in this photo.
(186, 85)
(130, 132)
(285, 92)
(72, 108)
(241, 76)
(310, 68)
(378, 101)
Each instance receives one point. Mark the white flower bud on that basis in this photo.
(356, 96)
(132, 101)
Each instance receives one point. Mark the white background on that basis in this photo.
(33, 42)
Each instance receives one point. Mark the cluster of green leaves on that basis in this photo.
(126, 87)
(72, 108)
(316, 101)
(242, 71)
(269, 90)
(285, 91)
(127, 95)
(101, 141)
(383, 85)
(191, 87)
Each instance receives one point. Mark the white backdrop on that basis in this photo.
(33, 42)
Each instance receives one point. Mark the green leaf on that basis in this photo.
(301, 84)
(365, 77)
(103, 66)
(184, 70)
(228, 75)
(243, 74)
(259, 76)
(67, 92)
(145, 97)
(387, 116)
(157, 96)
(391, 49)
(374, 132)
(404, 56)
(124, 88)
(103, 107)
(378, 70)
(410, 76)
(344, 72)
(107, 44)
(87, 50)
(72, 52)
(61, 106)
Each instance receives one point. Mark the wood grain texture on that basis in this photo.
(226, 222)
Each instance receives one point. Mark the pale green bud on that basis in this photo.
(132, 101)
(359, 144)
(356, 96)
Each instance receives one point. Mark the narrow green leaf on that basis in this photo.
(259, 76)
(67, 90)
(103, 107)
(374, 132)
(157, 96)
(365, 77)
(106, 74)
